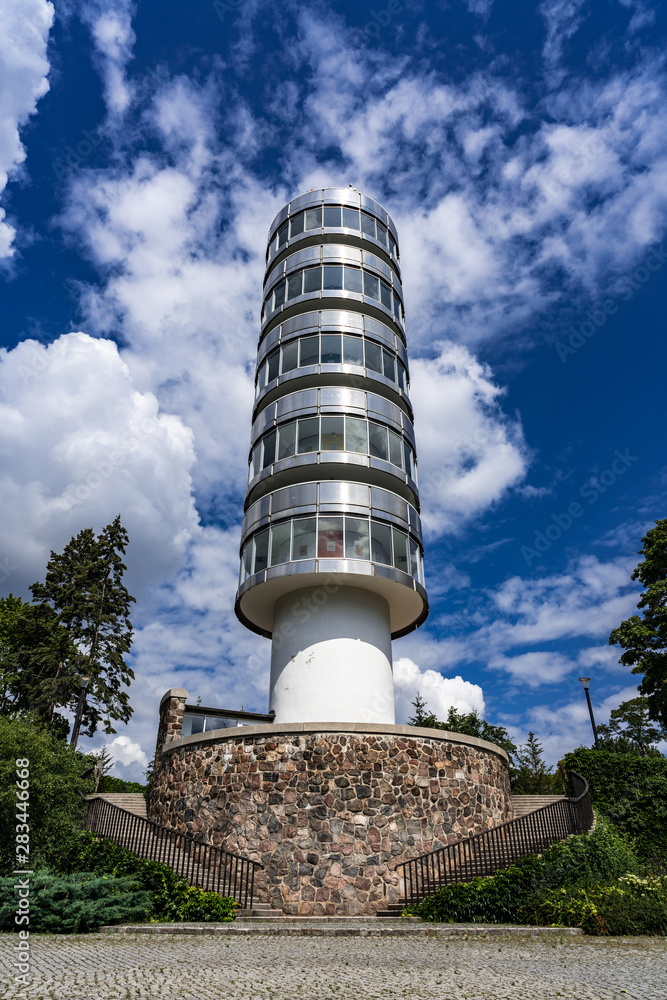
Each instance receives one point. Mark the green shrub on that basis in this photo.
(631, 791)
(54, 806)
(75, 904)
(632, 906)
(515, 894)
(173, 898)
(110, 784)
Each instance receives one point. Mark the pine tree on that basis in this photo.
(532, 776)
(83, 589)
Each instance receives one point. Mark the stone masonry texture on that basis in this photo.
(329, 815)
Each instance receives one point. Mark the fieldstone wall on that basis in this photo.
(330, 814)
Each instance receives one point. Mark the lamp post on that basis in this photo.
(85, 681)
(586, 683)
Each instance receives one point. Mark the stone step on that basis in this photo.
(524, 804)
(133, 802)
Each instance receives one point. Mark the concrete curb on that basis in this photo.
(343, 927)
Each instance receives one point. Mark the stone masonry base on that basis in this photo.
(330, 814)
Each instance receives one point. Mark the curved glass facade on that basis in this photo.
(332, 480)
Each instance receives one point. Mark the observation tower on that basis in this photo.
(331, 547)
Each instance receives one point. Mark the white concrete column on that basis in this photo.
(331, 657)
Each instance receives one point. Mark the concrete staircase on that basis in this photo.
(524, 804)
(133, 802)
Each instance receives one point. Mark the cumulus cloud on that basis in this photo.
(23, 81)
(470, 453)
(440, 693)
(80, 444)
(110, 23)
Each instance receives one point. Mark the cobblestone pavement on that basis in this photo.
(268, 967)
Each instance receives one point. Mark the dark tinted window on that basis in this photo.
(350, 218)
(333, 277)
(371, 286)
(367, 224)
(312, 279)
(332, 216)
(331, 349)
(297, 224)
(309, 351)
(313, 218)
(353, 280)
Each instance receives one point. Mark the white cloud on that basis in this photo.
(534, 669)
(482, 7)
(440, 693)
(80, 444)
(23, 81)
(110, 23)
(469, 453)
(125, 751)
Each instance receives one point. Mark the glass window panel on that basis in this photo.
(373, 357)
(261, 550)
(367, 224)
(313, 218)
(193, 724)
(385, 295)
(287, 440)
(303, 546)
(377, 439)
(380, 543)
(382, 233)
(261, 379)
(273, 365)
(297, 224)
(332, 216)
(330, 538)
(269, 453)
(400, 550)
(392, 246)
(282, 234)
(398, 312)
(312, 279)
(333, 276)
(356, 435)
(247, 560)
(332, 433)
(309, 351)
(294, 283)
(395, 449)
(414, 559)
(350, 218)
(353, 351)
(389, 365)
(279, 295)
(407, 459)
(353, 280)
(290, 356)
(402, 377)
(357, 543)
(280, 543)
(331, 349)
(309, 435)
(256, 459)
(371, 286)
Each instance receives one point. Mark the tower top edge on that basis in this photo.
(333, 195)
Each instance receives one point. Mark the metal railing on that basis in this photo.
(210, 868)
(488, 852)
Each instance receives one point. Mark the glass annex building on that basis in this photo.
(331, 548)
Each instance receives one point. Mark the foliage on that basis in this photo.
(83, 592)
(173, 898)
(517, 894)
(631, 791)
(110, 784)
(54, 806)
(645, 639)
(32, 645)
(629, 729)
(75, 904)
(470, 724)
(531, 776)
(633, 905)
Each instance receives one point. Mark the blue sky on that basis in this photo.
(520, 149)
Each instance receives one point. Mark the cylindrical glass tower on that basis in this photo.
(331, 548)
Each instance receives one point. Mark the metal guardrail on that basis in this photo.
(210, 868)
(488, 852)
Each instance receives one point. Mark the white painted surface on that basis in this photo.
(331, 657)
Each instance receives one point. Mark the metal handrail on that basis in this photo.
(486, 853)
(210, 868)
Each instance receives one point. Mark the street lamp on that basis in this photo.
(85, 681)
(586, 683)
